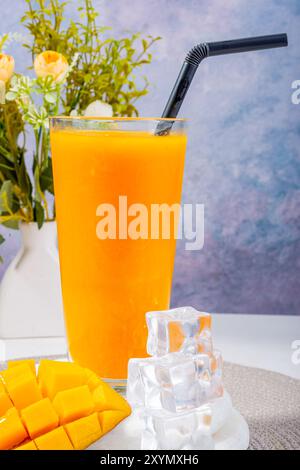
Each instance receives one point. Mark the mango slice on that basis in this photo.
(110, 418)
(5, 403)
(40, 418)
(54, 440)
(12, 431)
(105, 398)
(8, 375)
(23, 390)
(92, 380)
(73, 404)
(30, 445)
(66, 407)
(20, 362)
(57, 376)
(83, 432)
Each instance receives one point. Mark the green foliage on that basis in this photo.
(100, 68)
(1, 241)
(3, 41)
(19, 198)
(15, 189)
(105, 65)
(7, 38)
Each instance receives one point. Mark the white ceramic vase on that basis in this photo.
(31, 314)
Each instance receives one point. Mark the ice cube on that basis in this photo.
(136, 386)
(175, 382)
(181, 329)
(177, 431)
(216, 367)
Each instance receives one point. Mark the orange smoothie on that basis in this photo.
(109, 284)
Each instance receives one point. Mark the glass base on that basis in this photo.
(23, 348)
(119, 385)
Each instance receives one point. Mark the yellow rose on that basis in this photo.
(51, 63)
(7, 66)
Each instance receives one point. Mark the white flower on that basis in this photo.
(98, 109)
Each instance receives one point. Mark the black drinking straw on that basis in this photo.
(200, 52)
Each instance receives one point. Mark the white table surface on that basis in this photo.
(263, 341)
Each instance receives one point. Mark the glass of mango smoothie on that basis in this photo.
(116, 264)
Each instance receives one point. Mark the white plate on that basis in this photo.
(234, 435)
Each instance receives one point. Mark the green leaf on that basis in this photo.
(46, 178)
(12, 224)
(50, 98)
(2, 239)
(6, 197)
(11, 96)
(36, 174)
(24, 180)
(39, 214)
(145, 44)
(13, 80)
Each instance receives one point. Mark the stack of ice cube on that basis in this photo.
(174, 387)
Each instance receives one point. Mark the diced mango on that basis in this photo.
(54, 440)
(20, 362)
(5, 403)
(83, 406)
(13, 373)
(23, 390)
(55, 377)
(105, 398)
(73, 404)
(42, 373)
(83, 432)
(92, 379)
(30, 445)
(42, 368)
(39, 418)
(2, 388)
(110, 418)
(12, 431)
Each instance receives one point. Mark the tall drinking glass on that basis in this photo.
(111, 176)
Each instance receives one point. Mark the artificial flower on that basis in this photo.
(98, 109)
(51, 63)
(7, 66)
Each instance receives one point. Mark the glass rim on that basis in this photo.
(117, 118)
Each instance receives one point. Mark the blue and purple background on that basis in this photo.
(243, 159)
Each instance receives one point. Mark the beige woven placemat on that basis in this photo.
(270, 403)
